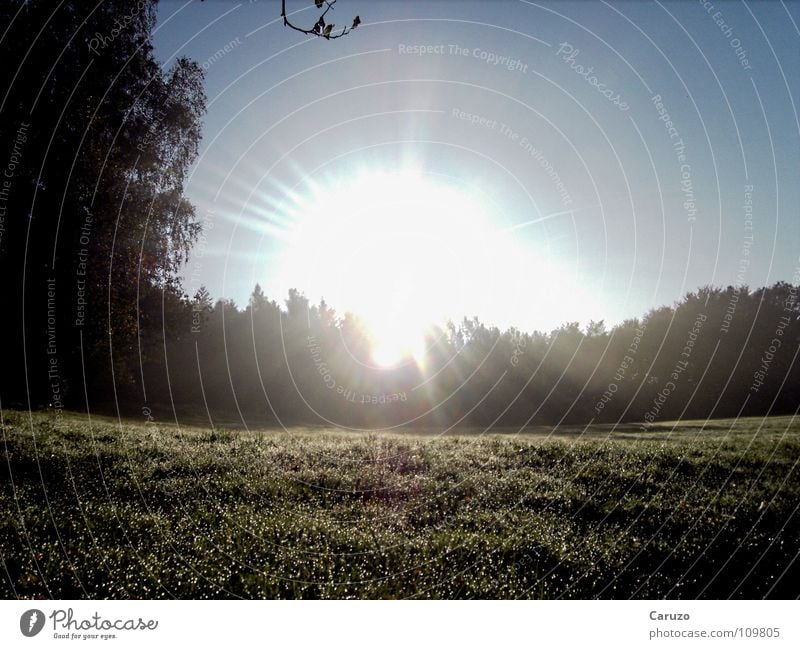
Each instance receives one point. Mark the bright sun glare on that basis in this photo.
(405, 251)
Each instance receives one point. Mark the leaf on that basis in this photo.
(318, 3)
(356, 22)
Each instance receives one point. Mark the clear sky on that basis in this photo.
(531, 163)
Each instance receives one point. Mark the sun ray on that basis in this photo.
(407, 251)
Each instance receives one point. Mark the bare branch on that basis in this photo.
(321, 27)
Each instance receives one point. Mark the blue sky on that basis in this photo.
(497, 101)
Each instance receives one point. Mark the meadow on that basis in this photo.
(106, 509)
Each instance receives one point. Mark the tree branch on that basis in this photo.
(320, 28)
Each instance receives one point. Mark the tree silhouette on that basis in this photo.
(300, 362)
(320, 27)
(99, 226)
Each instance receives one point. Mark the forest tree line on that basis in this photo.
(719, 352)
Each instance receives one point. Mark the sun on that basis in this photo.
(406, 251)
(392, 247)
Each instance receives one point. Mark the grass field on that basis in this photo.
(98, 509)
